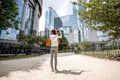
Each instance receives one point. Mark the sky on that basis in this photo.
(62, 7)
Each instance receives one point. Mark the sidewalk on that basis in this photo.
(70, 66)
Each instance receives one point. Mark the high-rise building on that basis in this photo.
(32, 11)
(29, 14)
(49, 19)
(53, 21)
(81, 32)
(82, 26)
(68, 33)
(57, 23)
(69, 21)
(88, 34)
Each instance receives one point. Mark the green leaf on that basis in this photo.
(102, 15)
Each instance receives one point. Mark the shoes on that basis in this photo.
(56, 70)
(52, 70)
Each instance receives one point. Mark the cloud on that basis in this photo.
(65, 9)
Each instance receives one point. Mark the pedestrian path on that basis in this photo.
(70, 66)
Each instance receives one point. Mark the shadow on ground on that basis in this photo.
(71, 72)
(25, 65)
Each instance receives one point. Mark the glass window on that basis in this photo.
(20, 4)
(28, 20)
(31, 0)
(12, 32)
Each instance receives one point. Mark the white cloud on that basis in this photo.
(65, 9)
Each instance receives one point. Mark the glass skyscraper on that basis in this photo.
(12, 32)
(29, 14)
(87, 33)
(69, 21)
(53, 21)
(81, 25)
(49, 19)
(80, 28)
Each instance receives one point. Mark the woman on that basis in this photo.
(54, 48)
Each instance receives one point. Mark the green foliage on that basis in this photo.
(63, 43)
(43, 41)
(114, 47)
(110, 54)
(85, 46)
(103, 15)
(8, 14)
(30, 40)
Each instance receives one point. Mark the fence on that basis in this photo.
(108, 54)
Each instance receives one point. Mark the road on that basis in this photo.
(70, 66)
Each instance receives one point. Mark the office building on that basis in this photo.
(88, 34)
(69, 21)
(53, 21)
(68, 33)
(49, 18)
(29, 15)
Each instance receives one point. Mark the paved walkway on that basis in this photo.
(71, 67)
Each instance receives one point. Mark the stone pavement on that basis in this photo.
(70, 66)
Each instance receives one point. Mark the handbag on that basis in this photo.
(48, 42)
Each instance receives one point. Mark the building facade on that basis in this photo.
(53, 21)
(88, 34)
(68, 33)
(29, 14)
(49, 18)
(81, 31)
(69, 21)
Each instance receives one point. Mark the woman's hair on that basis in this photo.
(54, 32)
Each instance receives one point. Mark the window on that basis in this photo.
(28, 20)
(12, 32)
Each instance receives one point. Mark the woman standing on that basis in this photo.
(54, 48)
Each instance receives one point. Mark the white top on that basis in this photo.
(54, 40)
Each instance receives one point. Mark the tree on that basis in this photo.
(85, 46)
(102, 15)
(8, 14)
(31, 40)
(63, 43)
(43, 41)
